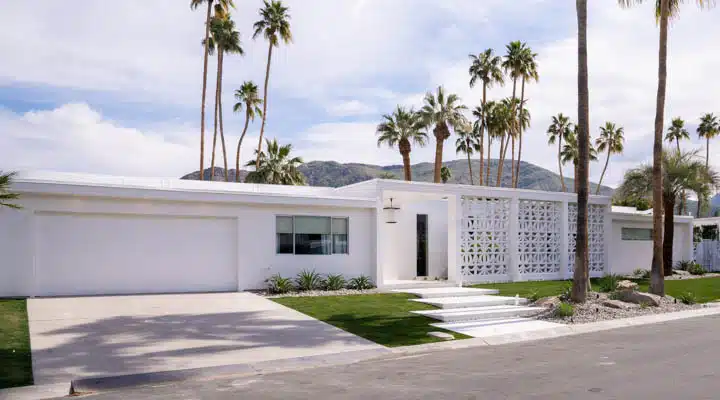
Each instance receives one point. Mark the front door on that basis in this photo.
(422, 245)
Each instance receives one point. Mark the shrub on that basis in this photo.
(565, 309)
(279, 285)
(608, 283)
(566, 294)
(334, 282)
(534, 296)
(308, 280)
(641, 273)
(684, 265)
(696, 269)
(688, 298)
(361, 282)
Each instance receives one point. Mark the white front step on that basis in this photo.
(479, 313)
(398, 285)
(497, 326)
(471, 301)
(438, 292)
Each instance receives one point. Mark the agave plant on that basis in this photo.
(334, 282)
(361, 282)
(279, 285)
(308, 280)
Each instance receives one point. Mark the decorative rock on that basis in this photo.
(616, 304)
(627, 285)
(549, 302)
(680, 272)
(441, 335)
(630, 296)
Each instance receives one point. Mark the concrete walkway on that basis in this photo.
(83, 337)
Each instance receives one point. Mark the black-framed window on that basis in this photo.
(311, 235)
(644, 234)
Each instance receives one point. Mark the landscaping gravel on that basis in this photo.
(312, 293)
(593, 310)
(678, 277)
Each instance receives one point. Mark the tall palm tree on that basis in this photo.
(276, 166)
(489, 116)
(467, 142)
(664, 10)
(506, 124)
(444, 112)
(528, 72)
(677, 132)
(194, 4)
(6, 196)
(682, 171)
(274, 26)
(246, 96)
(402, 128)
(559, 129)
(445, 173)
(485, 67)
(513, 64)
(611, 140)
(571, 153)
(581, 274)
(226, 40)
(709, 128)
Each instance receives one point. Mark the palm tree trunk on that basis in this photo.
(512, 163)
(607, 160)
(406, 165)
(265, 102)
(219, 101)
(469, 163)
(512, 137)
(682, 196)
(438, 154)
(576, 179)
(501, 158)
(487, 175)
(482, 134)
(707, 165)
(581, 276)
(669, 233)
(204, 90)
(677, 141)
(237, 156)
(215, 125)
(520, 133)
(562, 179)
(657, 280)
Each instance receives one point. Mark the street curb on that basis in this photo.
(108, 383)
(36, 392)
(566, 330)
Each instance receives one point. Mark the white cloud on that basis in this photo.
(351, 108)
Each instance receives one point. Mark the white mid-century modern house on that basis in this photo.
(87, 235)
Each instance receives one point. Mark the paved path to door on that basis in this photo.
(118, 335)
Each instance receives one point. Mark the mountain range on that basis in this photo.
(334, 174)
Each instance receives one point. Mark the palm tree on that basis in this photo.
(571, 153)
(677, 132)
(467, 142)
(402, 128)
(246, 96)
(709, 128)
(528, 72)
(194, 4)
(444, 112)
(506, 128)
(581, 274)
(227, 40)
(664, 10)
(6, 196)
(276, 166)
(445, 173)
(485, 67)
(274, 25)
(611, 139)
(559, 129)
(513, 64)
(489, 116)
(682, 171)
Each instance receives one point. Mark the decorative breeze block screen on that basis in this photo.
(539, 237)
(484, 241)
(596, 236)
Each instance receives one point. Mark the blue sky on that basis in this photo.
(115, 87)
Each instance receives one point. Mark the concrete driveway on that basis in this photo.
(118, 335)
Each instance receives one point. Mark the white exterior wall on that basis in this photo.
(64, 245)
(629, 255)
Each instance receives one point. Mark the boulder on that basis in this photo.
(627, 285)
(617, 304)
(549, 302)
(631, 296)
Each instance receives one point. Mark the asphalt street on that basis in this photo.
(673, 360)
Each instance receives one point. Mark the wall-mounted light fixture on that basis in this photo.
(390, 213)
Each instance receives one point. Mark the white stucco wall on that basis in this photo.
(629, 255)
(63, 245)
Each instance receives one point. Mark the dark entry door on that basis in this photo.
(422, 244)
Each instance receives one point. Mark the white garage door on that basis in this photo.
(84, 254)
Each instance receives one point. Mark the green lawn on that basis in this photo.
(15, 361)
(382, 318)
(706, 289)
